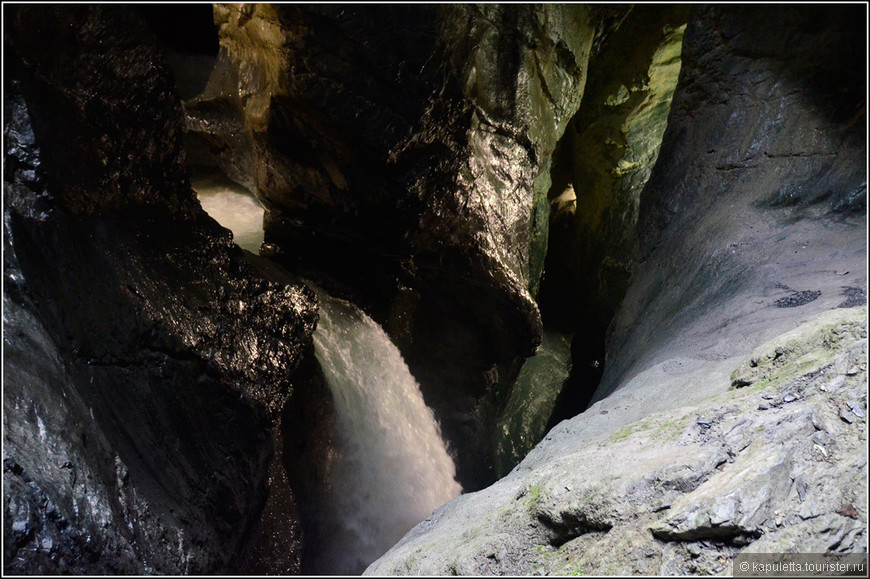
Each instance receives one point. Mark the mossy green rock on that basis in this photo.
(523, 422)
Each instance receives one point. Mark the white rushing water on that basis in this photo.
(234, 207)
(394, 468)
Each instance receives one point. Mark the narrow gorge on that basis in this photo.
(459, 289)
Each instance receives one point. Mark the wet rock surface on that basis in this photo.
(144, 361)
(533, 399)
(681, 491)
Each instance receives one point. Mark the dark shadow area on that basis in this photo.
(568, 306)
(185, 28)
(189, 38)
(587, 355)
(308, 454)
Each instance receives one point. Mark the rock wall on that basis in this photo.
(144, 362)
(533, 399)
(752, 227)
(602, 164)
(754, 214)
(609, 150)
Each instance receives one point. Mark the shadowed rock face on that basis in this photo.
(605, 159)
(404, 153)
(599, 170)
(144, 361)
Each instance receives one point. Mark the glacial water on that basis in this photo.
(393, 469)
(234, 207)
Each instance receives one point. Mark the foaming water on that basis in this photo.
(235, 208)
(394, 469)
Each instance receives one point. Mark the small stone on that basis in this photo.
(694, 550)
(852, 371)
(858, 412)
(47, 543)
(19, 526)
(764, 406)
(848, 510)
(821, 437)
(809, 510)
(703, 423)
(817, 422)
(789, 398)
(844, 414)
(767, 396)
(723, 513)
(835, 383)
(802, 489)
(821, 450)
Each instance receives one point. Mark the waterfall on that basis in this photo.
(393, 469)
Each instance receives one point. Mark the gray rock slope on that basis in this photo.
(778, 465)
(753, 218)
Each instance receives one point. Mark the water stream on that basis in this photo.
(234, 207)
(394, 468)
